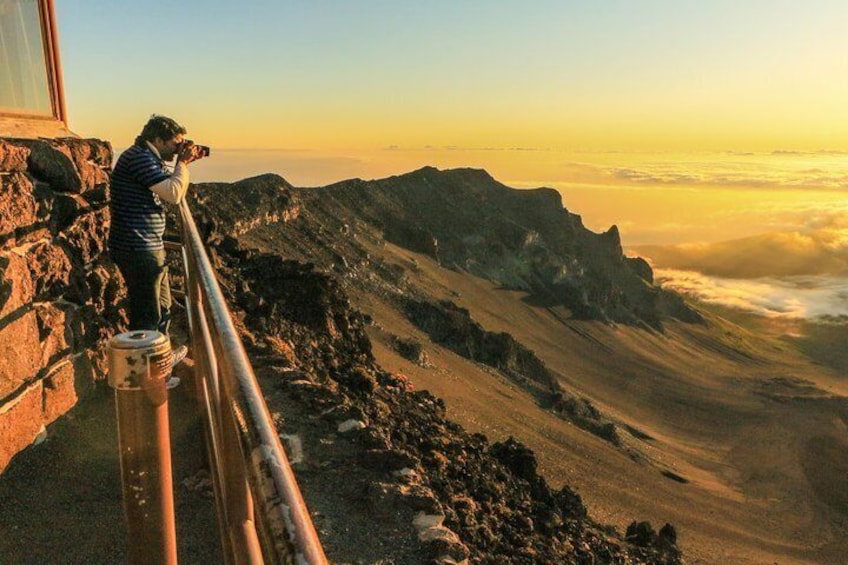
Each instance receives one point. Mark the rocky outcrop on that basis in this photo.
(236, 208)
(465, 220)
(59, 298)
(451, 326)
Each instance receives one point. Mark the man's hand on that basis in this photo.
(189, 152)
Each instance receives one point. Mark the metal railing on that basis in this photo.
(262, 517)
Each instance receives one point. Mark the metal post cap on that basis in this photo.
(140, 359)
(138, 339)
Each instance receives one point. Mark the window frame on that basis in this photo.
(23, 124)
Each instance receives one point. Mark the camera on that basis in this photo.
(200, 150)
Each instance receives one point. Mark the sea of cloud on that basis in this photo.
(814, 298)
(799, 274)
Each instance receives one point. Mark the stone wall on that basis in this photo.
(59, 295)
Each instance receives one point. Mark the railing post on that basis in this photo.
(139, 364)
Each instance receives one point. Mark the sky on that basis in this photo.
(682, 122)
(544, 74)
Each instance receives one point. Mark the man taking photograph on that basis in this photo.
(140, 183)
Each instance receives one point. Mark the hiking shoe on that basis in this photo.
(178, 355)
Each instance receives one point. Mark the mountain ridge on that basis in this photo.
(523, 239)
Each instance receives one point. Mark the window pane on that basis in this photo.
(23, 68)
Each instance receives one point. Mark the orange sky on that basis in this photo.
(336, 76)
(661, 117)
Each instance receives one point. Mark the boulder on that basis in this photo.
(641, 534)
(667, 535)
(52, 163)
(411, 349)
(91, 158)
(520, 460)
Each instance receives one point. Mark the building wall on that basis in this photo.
(59, 295)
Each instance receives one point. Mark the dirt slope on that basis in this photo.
(751, 426)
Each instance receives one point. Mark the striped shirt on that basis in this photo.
(138, 215)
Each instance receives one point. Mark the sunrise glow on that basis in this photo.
(333, 76)
(673, 121)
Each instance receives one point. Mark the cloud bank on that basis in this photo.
(804, 297)
(822, 251)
